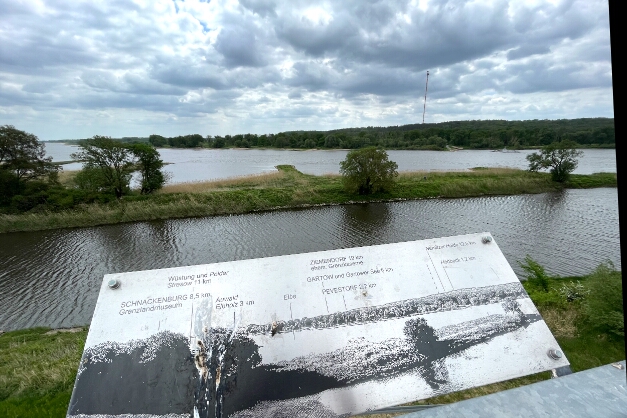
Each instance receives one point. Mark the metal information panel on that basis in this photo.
(322, 334)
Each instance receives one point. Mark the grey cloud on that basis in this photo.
(239, 48)
(16, 97)
(39, 51)
(15, 8)
(526, 50)
(296, 112)
(318, 41)
(375, 13)
(542, 76)
(98, 79)
(143, 85)
(129, 83)
(252, 78)
(264, 8)
(199, 76)
(170, 104)
(39, 87)
(119, 54)
(448, 32)
(383, 81)
(312, 75)
(374, 79)
(71, 34)
(190, 77)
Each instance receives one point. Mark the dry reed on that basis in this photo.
(254, 180)
(561, 322)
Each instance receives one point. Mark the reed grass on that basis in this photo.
(264, 180)
(66, 177)
(37, 371)
(561, 321)
(288, 188)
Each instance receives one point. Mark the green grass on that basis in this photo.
(288, 189)
(37, 370)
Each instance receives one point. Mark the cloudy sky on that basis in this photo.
(73, 69)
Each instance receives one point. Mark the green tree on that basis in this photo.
(113, 159)
(367, 171)
(22, 160)
(439, 142)
(91, 179)
(331, 142)
(157, 140)
(559, 157)
(149, 165)
(218, 142)
(23, 155)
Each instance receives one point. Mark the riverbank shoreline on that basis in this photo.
(289, 189)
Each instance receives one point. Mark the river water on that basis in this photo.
(51, 278)
(186, 165)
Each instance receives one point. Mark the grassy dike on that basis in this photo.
(38, 368)
(288, 188)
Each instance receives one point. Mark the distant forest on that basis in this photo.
(479, 134)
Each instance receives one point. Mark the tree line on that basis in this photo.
(478, 134)
(487, 134)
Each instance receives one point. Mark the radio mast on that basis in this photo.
(425, 106)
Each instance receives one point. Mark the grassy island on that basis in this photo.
(38, 366)
(288, 188)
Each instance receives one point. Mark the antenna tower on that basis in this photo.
(425, 106)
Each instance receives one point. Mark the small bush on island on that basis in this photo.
(368, 170)
(559, 157)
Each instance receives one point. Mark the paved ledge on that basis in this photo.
(598, 392)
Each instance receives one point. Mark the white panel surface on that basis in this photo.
(322, 334)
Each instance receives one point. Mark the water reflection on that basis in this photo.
(51, 278)
(365, 224)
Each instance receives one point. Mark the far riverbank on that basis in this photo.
(288, 188)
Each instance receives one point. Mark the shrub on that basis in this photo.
(149, 165)
(25, 203)
(559, 157)
(535, 273)
(573, 291)
(604, 304)
(368, 170)
(10, 186)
